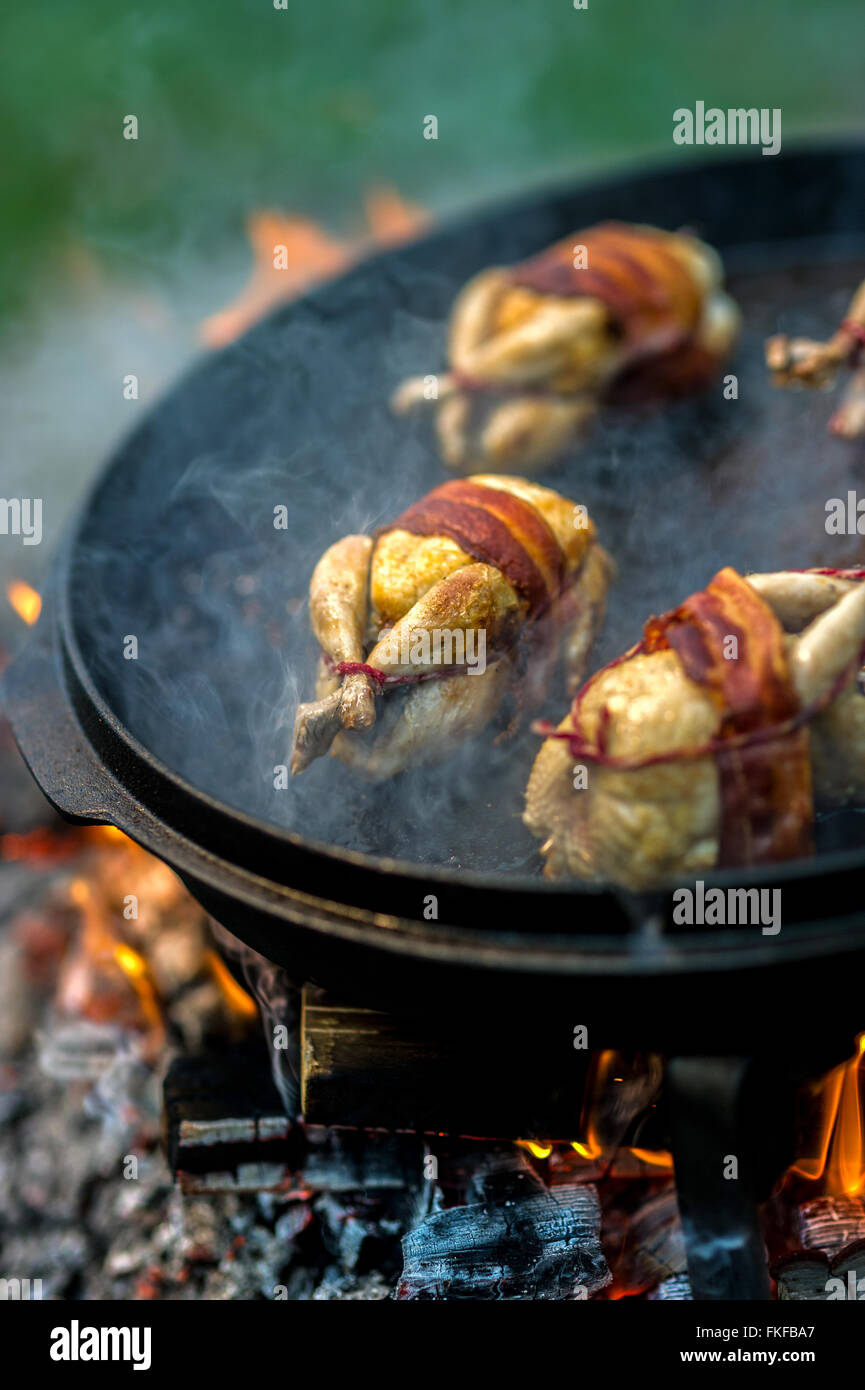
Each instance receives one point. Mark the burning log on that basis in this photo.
(831, 1231)
(647, 1246)
(830, 1223)
(514, 1239)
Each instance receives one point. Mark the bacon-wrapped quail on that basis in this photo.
(806, 362)
(426, 628)
(708, 743)
(535, 347)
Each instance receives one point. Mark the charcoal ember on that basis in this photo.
(127, 1209)
(676, 1289)
(202, 1238)
(370, 1192)
(128, 1258)
(363, 1230)
(80, 1050)
(299, 1285)
(58, 1264)
(294, 1220)
(354, 1161)
(256, 1257)
(515, 1240)
(345, 1288)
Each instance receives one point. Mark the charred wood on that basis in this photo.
(831, 1262)
(829, 1223)
(645, 1245)
(513, 1239)
(677, 1289)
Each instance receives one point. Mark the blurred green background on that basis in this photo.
(113, 253)
(241, 104)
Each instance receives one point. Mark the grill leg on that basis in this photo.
(715, 1155)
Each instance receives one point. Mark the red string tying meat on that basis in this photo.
(762, 751)
(381, 678)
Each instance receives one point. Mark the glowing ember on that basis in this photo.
(26, 602)
(290, 253)
(139, 961)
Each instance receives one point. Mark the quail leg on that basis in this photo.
(828, 647)
(812, 363)
(338, 600)
(476, 602)
(525, 431)
(797, 599)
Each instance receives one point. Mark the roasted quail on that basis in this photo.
(534, 348)
(709, 743)
(426, 628)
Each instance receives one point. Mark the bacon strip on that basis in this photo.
(633, 271)
(497, 528)
(767, 809)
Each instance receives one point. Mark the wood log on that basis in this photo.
(801, 1277)
(224, 1126)
(645, 1245)
(848, 1267)
(370, 1070)
(516, 1240)
(829, 1223)
(832, 1235)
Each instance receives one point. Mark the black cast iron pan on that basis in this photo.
(176, 547)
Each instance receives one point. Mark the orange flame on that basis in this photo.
(26, 602)
(88, 987)
(535, 1149)
(137, 971)
(237, 999)
(290, 253)
(591, 1147)
(838, 1157)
